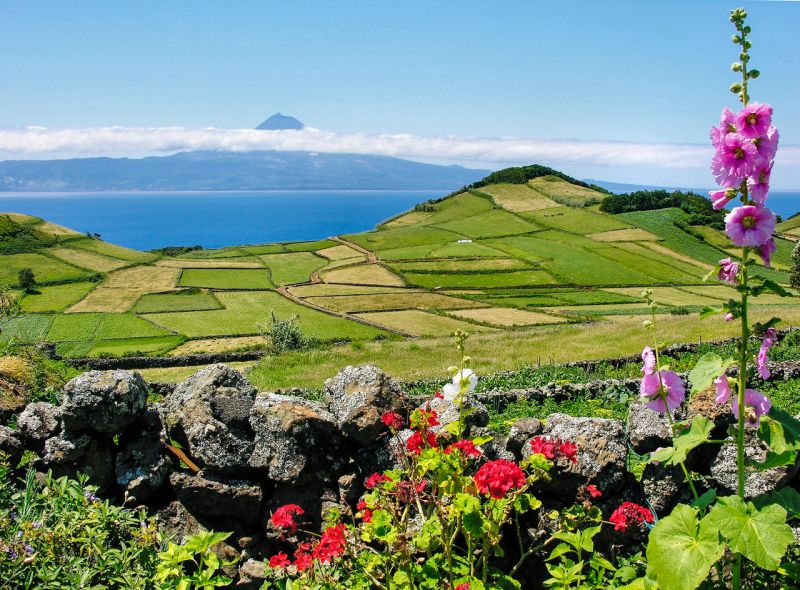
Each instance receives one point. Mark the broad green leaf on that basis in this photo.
(482, 440)
(709, 367)
(762, 536)
(698, 433)
(708, 311)
(787, 497)
(791, 427)
(771, 286)
(682, 549)
(705, 500)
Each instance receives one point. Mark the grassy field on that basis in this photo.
(121, 289)
(506, 317)
(630, 234)
(112, 250)
(518, 197)
(453, 280)
(243, 262)
(578, 221)
(187, 300)
(420, 323)
(55, 298)
(363, 274)
(405, 299)
(156, 345)
(490, 224)
(244, 309)
(226, 278)
(27, 329)
(45, 268)
(295, 267)
(86, 259)
(209, 345)
(563, 192)
(461, 265)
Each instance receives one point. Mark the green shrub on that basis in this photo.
(284, 334)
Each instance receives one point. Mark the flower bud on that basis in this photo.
(736, 67)
(736, 39)
(736, 88)
(753, 74)
(746, 30)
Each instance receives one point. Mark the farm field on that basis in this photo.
(537, 258)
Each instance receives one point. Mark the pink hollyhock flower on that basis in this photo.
(770, 338)
(721, 198)
(750, 226)
(766, 250)
(756, 405)
(754, 119)
(729, 317)
(728, 271)
(664, 389)
(723, 389)
(767, 146)
(758, 184)
(727, 124)
(734, 161)
(649, 360)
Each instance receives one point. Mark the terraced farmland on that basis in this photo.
(534, 258)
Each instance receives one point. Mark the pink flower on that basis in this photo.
(723, 389)
(664, 389)
(767, 146)
(729, 317)
(754, 120)
(721, 198)
(727, 124)
(375, 480)
(649, 360)
(756, 405)
(770, 338)
(734, 161)
(766, 250)
(758, 184)
(728, 271)
(750, 226)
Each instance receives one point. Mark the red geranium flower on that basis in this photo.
(283, 517)
(366, 512)
(423, 418)
(392, 419)
(376, 479)
(417, 441)
(593, 491)
(630, 514)
(302, 557)
(331, 544)
(498, 477)
(569, 451)
(544, 446)
(279, 560)
(464, 586)
(466, 447)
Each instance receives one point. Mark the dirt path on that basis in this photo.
(372, 258)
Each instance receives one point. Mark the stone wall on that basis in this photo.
(217, 453)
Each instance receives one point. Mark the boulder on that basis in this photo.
(252, 575)
(602, 454)
(10, 445)
(521, 431)
(105, 402)
(209, 414)
(211, 496)
(39, 421)
(448, 412)
(647, 430)
(358, 397)
(292, 435)
(663, 487)
(142, 466)
(177, 522)
(725, 472)
(68, 454)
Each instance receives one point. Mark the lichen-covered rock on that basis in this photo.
(39, 421)
(647, 430)
(521, 431)
(252, 575)
(602, 454)
(209, 413)
(664, 487)
(142, 466)
(448, 412)
(704, 403)
(10, 445)
(725, 472)
(292, 435)
(105, 402)
(212, 496)
(358, 397)
(68, 455)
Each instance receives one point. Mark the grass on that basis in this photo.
(506, 317)
(459, 265)
(564, 192)
(667, 296)
(101, 326)
(456, 249)
(112, 250)
(263, 249)
(45, 268)
(295, 267)
(188, 300)
(225, 278)
(340, 252)
(242, 262)
(629, 234)
(518, 197)
(212, 345)
(420, 323)
(458, 207)
(244, 309)
(323, 289)
(86, 259)
(576, 220)
(122, 288)
(554, 298)
(74, 326)
(135, 346)
(490, 224)
(402, 237)
(521, 278)
(407, 219)
(363, 274)
(309, 246)
(26, 329)
(406, 299)
(56, 297)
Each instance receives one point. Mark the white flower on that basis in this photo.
(466, 380)
(450, 391)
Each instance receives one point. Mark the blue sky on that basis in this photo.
(625, 71)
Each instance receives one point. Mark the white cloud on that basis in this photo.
(39, 142)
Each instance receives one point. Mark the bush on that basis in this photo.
(522, 174)
(27, 280)
(699, 208)
(284, 334)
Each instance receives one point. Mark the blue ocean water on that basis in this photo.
(147, 220)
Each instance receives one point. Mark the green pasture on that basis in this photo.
(226, 278)
(295, 267)
(402, 237)
(54, 297)
(563, 192)
(458, 265)
(45, 269)
(578, 221)
(309, 246)
(264, 249)
(112, 250)
(27, 329)
(188, 300)
(145, 346)
(458, 207)
(497, 222)
(453, 280)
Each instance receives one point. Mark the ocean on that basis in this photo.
(147, 220)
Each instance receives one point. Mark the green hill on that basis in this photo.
(526, 250)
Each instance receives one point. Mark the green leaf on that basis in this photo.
(482, 440)
(771, 286)
(791, 427)
(682, 549)
(698, 433)
(789, 498)
(708, 311)
(762, 536)
(709, 367)
(705, 500)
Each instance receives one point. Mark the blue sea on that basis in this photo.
(147, 220)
